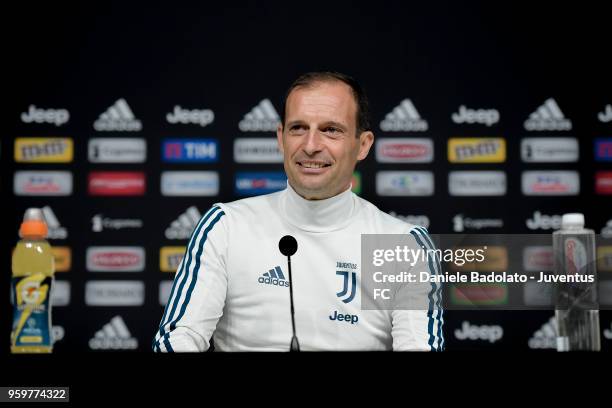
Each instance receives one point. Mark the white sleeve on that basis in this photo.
(419, 327)
(198, 293)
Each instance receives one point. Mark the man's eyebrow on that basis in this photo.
(334, 124)
(324, 124)
(296, 122)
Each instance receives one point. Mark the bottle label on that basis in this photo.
(575, 256)
(562, 343)
(31, 316)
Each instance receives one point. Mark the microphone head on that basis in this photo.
(287, 245)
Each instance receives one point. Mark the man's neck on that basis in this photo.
(314, 196)
(321, 215)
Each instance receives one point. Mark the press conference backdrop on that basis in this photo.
(128, 123)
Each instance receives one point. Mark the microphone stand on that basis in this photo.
(295, 345)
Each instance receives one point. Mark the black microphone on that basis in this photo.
(288, 246)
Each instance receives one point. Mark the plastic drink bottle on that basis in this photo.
(576, 299)
(33, 268)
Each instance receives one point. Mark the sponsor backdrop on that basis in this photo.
(130, 123)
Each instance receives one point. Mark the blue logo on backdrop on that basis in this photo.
(603, 149)
(248, 183)
(190, 151)
(345, 286)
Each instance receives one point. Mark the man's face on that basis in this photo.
(319, 140)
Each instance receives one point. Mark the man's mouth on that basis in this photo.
(312, 164)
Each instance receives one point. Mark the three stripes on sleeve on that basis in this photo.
(185, 280)
(435, 318)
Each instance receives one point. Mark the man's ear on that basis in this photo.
(279, 137)
(365, 143)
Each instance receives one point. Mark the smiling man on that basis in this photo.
(325, 133)
(232, 284)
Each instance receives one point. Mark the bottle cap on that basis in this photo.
(575, 220)
(34, 224)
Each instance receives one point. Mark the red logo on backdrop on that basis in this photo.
(114, 260)
(604, 150)
(542, 260)
(480, 294)
(404, 150)
(174, 151)
(603, 182)
(115, 183)
(259, 183)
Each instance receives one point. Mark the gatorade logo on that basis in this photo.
(30, 292)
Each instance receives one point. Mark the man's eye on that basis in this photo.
(331, 129)
(297, 128)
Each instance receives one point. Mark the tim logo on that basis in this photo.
(345, 286)
(190, 151)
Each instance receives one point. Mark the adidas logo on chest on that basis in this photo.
(274, 277)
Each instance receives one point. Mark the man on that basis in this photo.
(233, 280)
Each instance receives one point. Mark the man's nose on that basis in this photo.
(312, 144)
